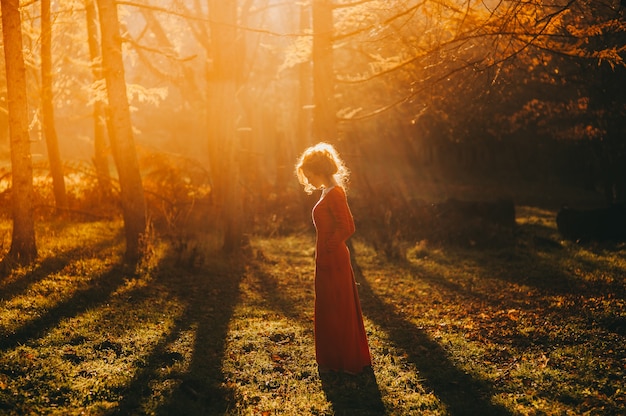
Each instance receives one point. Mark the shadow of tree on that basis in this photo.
(279, 299)
(553, 279)
(540, 245)
(46, 267)
(41, 271)
(460, 392)
(550, 270)
(209, 298)
(98, 292)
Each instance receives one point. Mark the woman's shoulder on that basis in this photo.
(337, 192)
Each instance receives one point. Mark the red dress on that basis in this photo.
(340, 339)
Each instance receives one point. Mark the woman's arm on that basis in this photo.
(344, 223)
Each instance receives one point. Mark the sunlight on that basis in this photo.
(91, 350)
(269, 343)
(43, 295)
(391, 363)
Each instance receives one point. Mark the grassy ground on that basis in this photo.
(534, 327)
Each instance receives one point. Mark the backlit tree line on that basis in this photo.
(243, 85)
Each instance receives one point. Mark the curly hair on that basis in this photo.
(321, 159)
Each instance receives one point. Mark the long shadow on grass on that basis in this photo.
(547, 275)
(270, 291)
(210, 297)
(98, 292)
(459, 392)
(353, 395)
(549, 278)
(45, 268)
(539, 262)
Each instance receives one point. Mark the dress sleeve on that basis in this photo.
(344, 223)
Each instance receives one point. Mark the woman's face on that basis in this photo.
(314, 179)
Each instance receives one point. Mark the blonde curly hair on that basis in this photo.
(321, 159)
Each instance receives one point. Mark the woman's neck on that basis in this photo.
(329, 183)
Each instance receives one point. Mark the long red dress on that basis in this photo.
(340, 338)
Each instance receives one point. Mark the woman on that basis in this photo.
(340, 339)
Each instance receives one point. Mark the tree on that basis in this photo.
(571, 55)
(324, 117)
(120, 131)
(52, 141)
(100, 158)
(596, 42)
(23, 245)
(531, 70)
(304, 75)
(223, 148)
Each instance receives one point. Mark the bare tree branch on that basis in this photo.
(207, 20)
(162, 10)
(353, 4)
(386, 22)
(409, 96)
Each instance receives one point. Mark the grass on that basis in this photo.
(530, 328)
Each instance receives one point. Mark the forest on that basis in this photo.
(157, 251)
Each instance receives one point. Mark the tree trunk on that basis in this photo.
(122, 140)
(223, 148)
(304, 91)
(52, 141)
(324, 117)
(101, 151)
(23, 246)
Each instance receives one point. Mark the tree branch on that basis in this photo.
(347, 5)
(412, 9)
(409, 96)
(207, 20)
(162, 10)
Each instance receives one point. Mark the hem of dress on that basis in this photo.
(328, 370)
